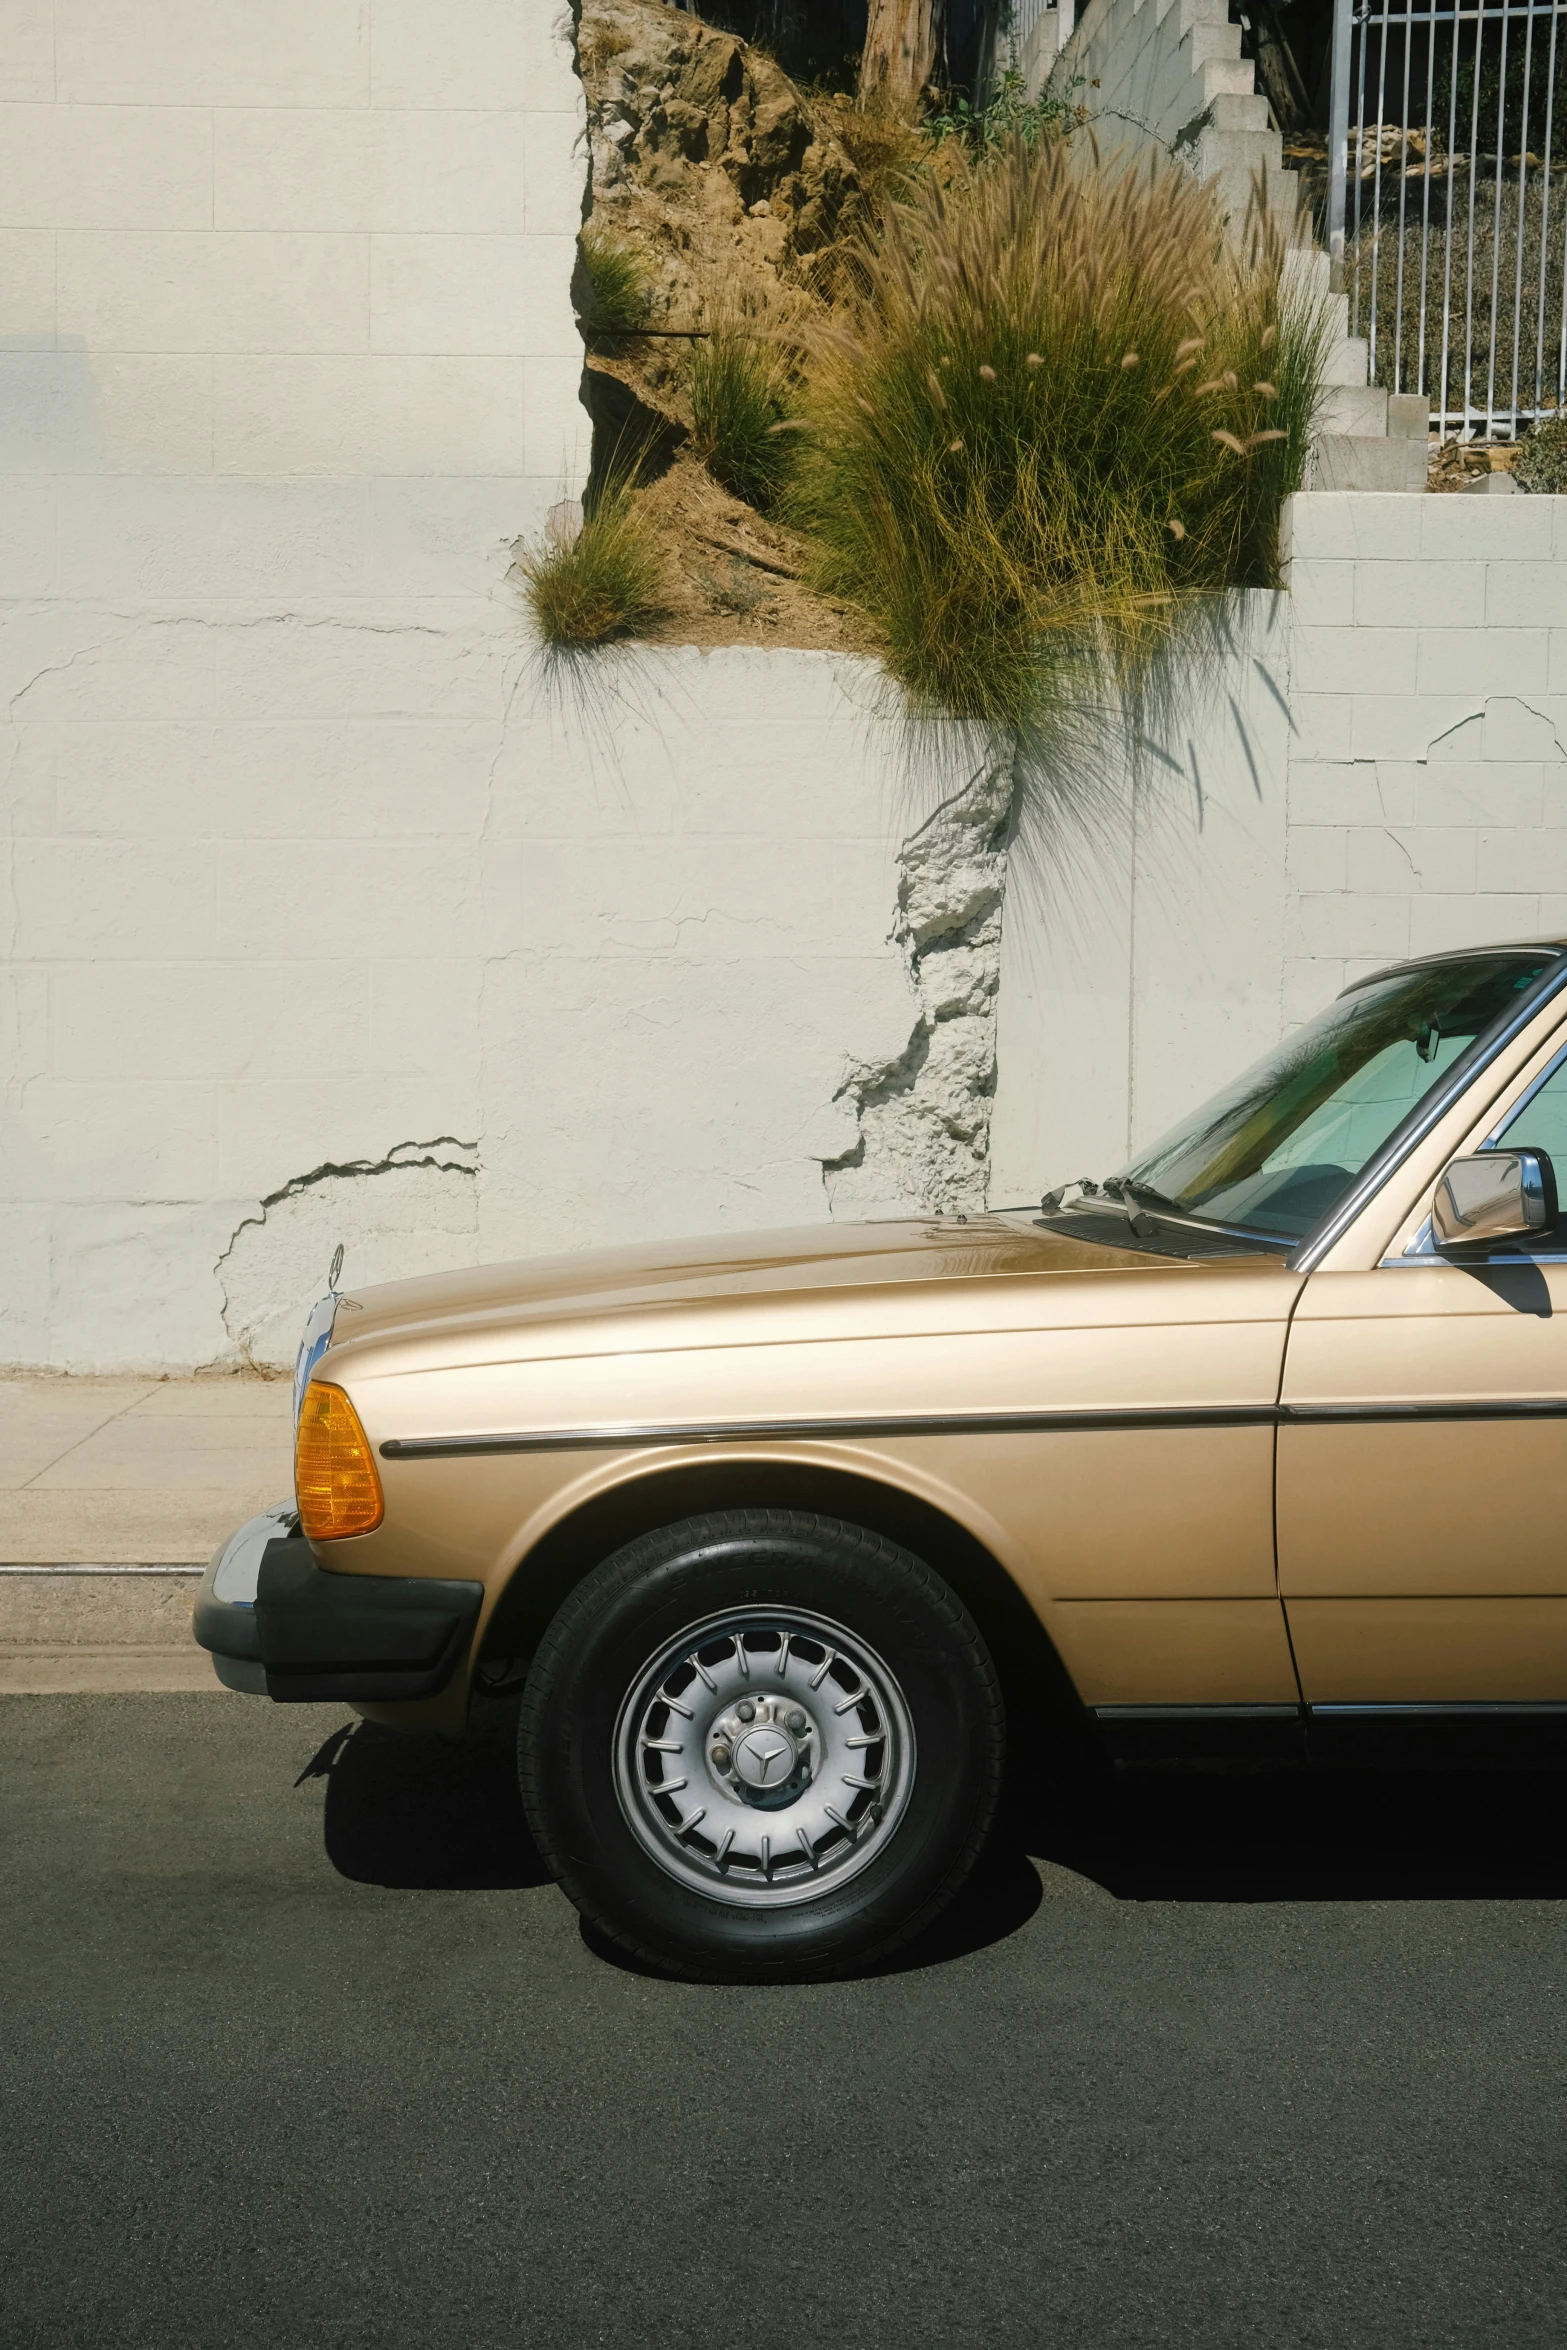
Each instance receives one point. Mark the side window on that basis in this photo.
(1540, 1123)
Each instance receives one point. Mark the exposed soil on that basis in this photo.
(731, 577)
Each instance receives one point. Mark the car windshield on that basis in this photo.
(1277, 1150)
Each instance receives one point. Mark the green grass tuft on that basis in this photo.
(602, 584)
(1065, 405)
(618, 289)
(740, 395)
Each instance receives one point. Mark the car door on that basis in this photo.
(1422, 1459)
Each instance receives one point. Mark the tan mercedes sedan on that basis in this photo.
(1255, 1448)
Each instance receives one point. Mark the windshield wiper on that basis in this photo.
(1146, 1195)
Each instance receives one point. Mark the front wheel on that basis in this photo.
(761, 1743)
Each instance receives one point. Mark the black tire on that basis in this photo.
(644, 1598)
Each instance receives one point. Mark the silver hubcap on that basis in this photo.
(762, 1758)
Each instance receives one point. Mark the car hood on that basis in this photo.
(670, 1278)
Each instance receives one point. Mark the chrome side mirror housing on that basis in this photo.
(1496, 1195)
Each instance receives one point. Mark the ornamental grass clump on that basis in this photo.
(1065, 403)
(741, 399)
(617, 289)
(602, 583)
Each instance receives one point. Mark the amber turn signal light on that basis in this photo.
(335, 1481)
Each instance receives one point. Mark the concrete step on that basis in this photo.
(1348, 362)
(1228, 77)
(1346, 461)
(1234, 183)
(1359, 410)
(1229, 111)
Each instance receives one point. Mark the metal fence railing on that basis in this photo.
(1447, 202)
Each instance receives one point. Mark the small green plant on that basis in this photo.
(1010, 115)
(617, 288)
(1067, 403)
(741, 397)
(1542, 461)
(604, 582)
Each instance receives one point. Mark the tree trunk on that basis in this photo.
(901, 39)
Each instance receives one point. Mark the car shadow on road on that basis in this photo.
(421, 1814)
(1295, 1835)
(417, 1813)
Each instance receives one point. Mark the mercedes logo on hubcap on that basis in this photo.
(764, 1758)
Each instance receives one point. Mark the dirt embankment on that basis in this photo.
(732, 192)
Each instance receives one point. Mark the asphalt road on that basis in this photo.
(297, 2048)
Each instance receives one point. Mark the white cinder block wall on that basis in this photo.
(1380, 769)
(328, 916)
(322, 918)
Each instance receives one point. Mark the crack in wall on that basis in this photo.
(274, 1258)
(923, 1115)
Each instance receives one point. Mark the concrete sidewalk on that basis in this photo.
(113, 1495)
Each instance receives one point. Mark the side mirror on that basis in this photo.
(1497, 1195)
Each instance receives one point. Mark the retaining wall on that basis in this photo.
(330, 915)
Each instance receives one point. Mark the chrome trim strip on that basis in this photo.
(1195, 1416)
(1196, 1713)
(1405, 1138)
(1462, 1707)
(403, 1448)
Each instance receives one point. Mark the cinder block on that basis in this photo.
(1356, 410)
(1483, 660)
(1317, 857)
(154, 412)
(1368, 465)
(397, 416)
(479, 53)
(1473, 793)
(1322, 726)
(1350, 922)
(1466, 530)
(1404, 726)
(1329, 523)
(150, 1140)
(1520, 860)
(172, 540)
(415, 897)
(136, 898)
(1420, 594)
(1437, 923)
(1409, 419)
(553, 169)
(136, 290)
(29, 308)
(1333, 793)
(425, 1016)
(219, 1019)
(1310, 984)
(471, 294)
(274, 1129)
(27, 541)
(27, 54)
(1349, 361)
(106, 167)
(396, 170)
(1419, 858)
(1350, 660)
(194, 53)
(1322, 591)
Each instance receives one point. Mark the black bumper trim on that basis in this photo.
(324, 1636)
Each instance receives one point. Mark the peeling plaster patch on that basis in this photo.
(924, 1117)
(415, 1211)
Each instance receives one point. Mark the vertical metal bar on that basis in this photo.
(1376, 197)
(1363, 18)
(1421, 383)
(1545, 218)
(1403, 191)
(1496, 226)
(1447, 240)
(1338, 138)
(1469, 275)
(1523, 182)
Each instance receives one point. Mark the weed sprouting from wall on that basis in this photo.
(602, 583)
(1065, 404)
(617, 291)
